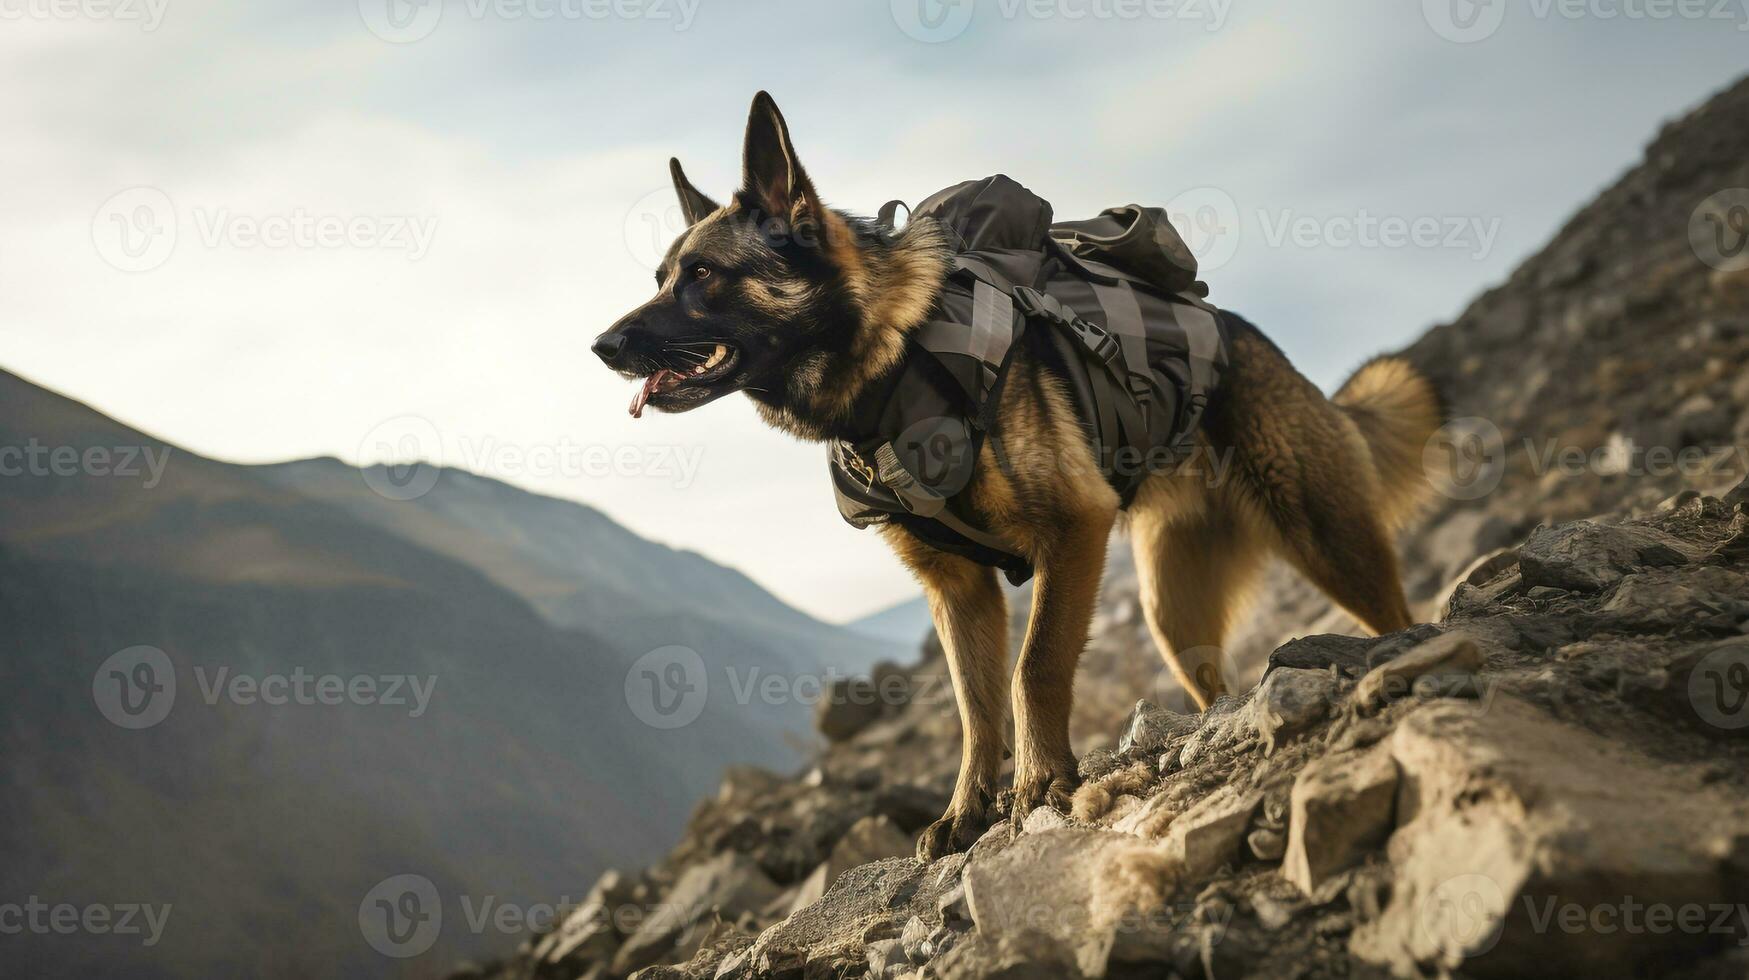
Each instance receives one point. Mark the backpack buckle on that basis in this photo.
(1101, 342)
(1104, 345)
(1033, 303)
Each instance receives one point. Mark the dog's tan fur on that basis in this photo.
(1320, 482)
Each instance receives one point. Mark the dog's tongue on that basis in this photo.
(649, 387)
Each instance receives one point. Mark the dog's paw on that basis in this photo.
(1053, 789)
(956, 831)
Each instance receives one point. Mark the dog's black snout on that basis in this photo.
(609, 345)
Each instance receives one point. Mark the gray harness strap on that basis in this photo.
(925, 502)
(1123, 317)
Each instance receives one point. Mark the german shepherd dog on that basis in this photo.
(804, 308)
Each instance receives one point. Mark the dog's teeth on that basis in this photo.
(716, 357)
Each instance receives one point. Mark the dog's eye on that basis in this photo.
(701, 272)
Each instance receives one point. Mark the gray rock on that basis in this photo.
(1508, 813)
(1266, 843)
(1704, 599)
(1441, 666)
(728, 884)
(1149, 727)
(952, 905)
(1042, 819)
(1290, 700)
(1587, 557)
(848, 706)
(1342, 807)
(869, 839)
(885, 958)
(1057, 884)
(916, 937)
(590, 934)
(1348, 654)
(1211, 833)
(1024, 955)
(1224, 725)
(895, 889)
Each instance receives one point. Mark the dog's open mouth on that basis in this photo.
(694, 367)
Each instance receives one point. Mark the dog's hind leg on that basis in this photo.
(971, 616)
(1193, 571)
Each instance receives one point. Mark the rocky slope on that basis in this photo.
(1550, 776)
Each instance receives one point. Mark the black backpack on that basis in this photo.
(1112, 302)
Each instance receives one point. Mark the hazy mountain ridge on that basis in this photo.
(291, 813)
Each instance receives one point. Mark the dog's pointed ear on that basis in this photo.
(693, 204)
(772, 178)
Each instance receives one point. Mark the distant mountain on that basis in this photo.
(906, 622)
(580, 569)
(529, 624)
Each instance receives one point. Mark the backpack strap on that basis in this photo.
(1104, 351)
(925, 502)
(1123, 317)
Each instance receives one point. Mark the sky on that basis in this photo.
(376, 229)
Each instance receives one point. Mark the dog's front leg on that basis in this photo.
(1070, 560)
(971, 616)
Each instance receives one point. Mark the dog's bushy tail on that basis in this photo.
(1397, 410)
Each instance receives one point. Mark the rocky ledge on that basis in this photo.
(1552, 778)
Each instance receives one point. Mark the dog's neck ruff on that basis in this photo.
(892, 282)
